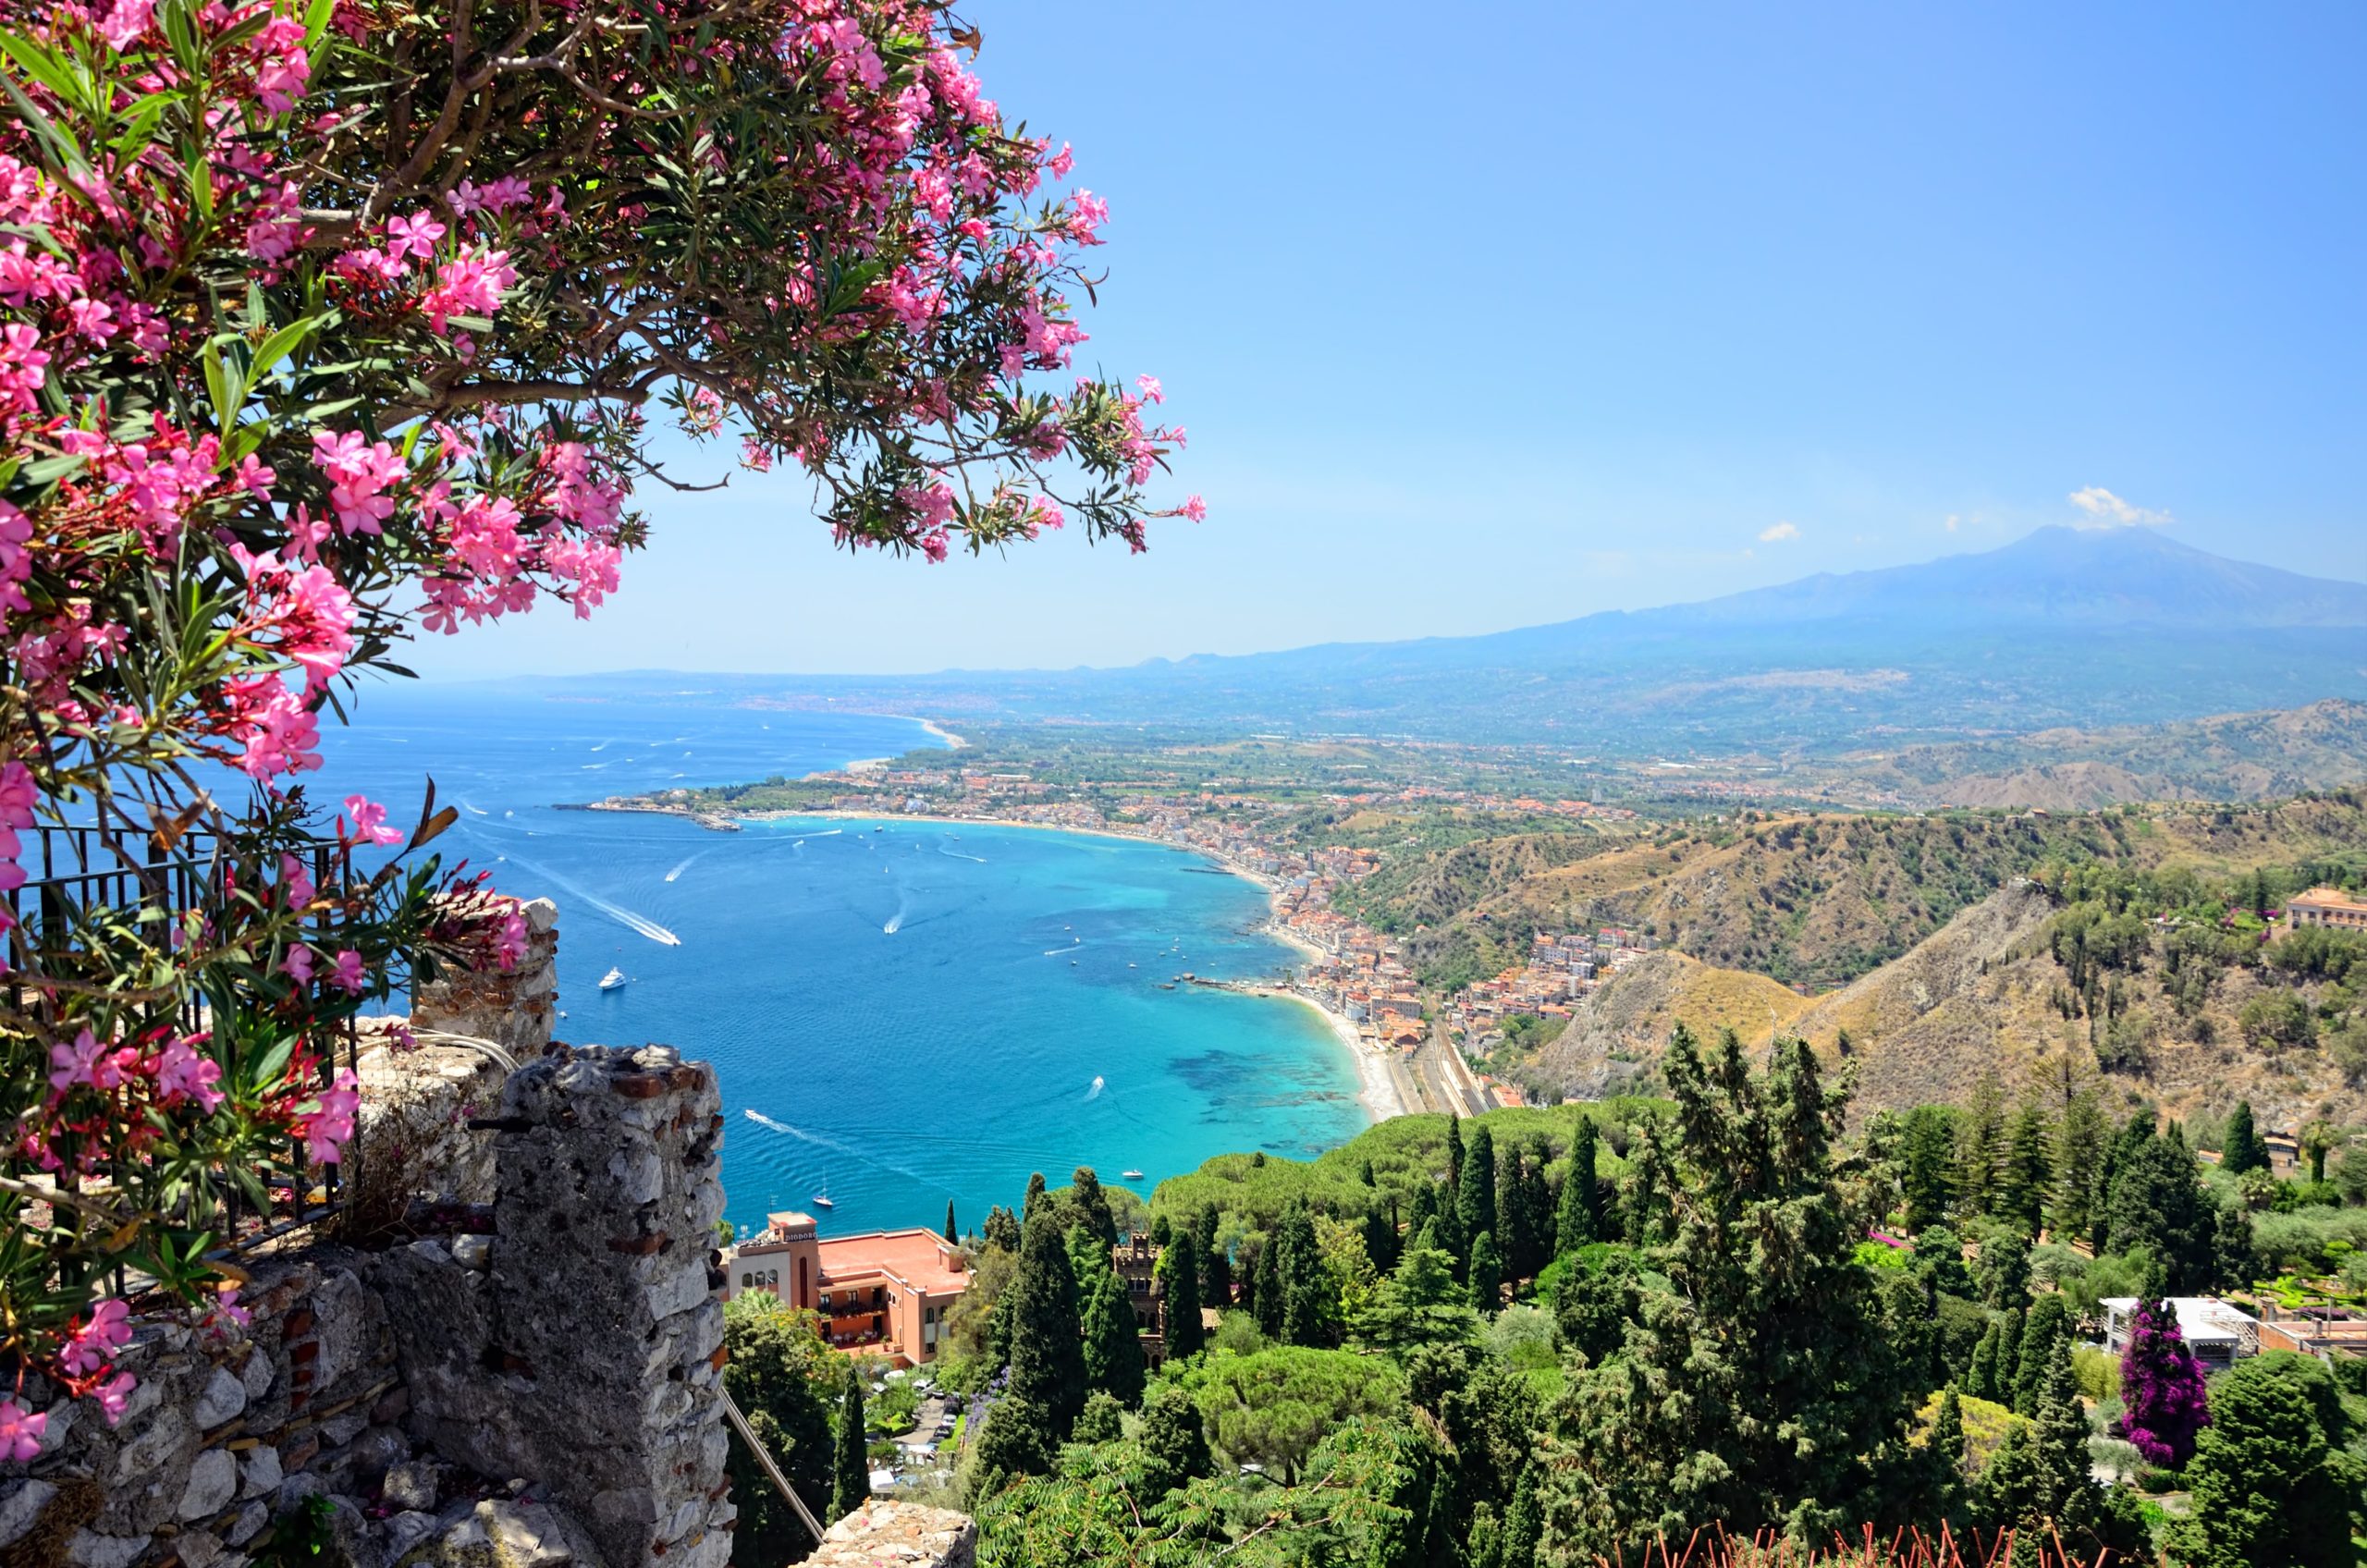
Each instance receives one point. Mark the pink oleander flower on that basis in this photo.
(183, 1073)
(1195, 509)
(114, 1395)
(358, 473)
(1151, 390)
(86, 1061)
(91, 1346)
(369, 822)
(414, 235)
(347, 974)
(329, 1130)
(296, 882)
(298, 964)
(20, 1430)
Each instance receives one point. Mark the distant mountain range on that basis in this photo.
(2062, 629)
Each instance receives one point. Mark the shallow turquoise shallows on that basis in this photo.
(903, 1013)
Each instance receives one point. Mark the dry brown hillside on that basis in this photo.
(1822, 898)
(1979, 997)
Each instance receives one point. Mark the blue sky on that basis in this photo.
(1495, 315)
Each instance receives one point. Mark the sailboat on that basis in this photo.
(611, 980)
(822, 1198)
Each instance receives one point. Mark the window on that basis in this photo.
(747, 1281)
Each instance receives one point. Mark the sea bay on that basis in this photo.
(914, 1011)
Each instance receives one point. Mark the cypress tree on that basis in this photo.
(1475, 1202)
(1536, 1210)
(2045, 1328)
(2009, 1356)
(1180, 1287)
(952, 1231)
(851, 1472)
(1033, 1203)
(1381, 1241)
(1046, 1359)
(1307, 1304)
(1454, 1153)
(1269, 1288)
(1364, 1172)
(1216, 1269)
(1113, 1351)
(1523, 1523)
(2242, 1149)
(1486, 1276)
(1577, 1218)
(1643, 1194)
(1002, 1229)
(1452, 1239)
(1094, 1202)
(2158, 1203)
(1981, 1377)
(1944, 1486)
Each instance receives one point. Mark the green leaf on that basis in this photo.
(281, 343)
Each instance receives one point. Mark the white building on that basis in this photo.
(2217, 1332)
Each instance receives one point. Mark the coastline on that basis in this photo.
(1378, 1094)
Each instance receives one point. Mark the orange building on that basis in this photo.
(2326, 906)
(885, 1292)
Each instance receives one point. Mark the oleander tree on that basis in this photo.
(328, 324)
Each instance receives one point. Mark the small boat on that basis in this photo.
(1131, 1175)
(611, 980)
(822, 1199)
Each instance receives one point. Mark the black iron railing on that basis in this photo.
(75, 871)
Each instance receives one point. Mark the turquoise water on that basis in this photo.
(1012, 1020)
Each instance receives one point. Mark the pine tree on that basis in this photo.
(2164, 1400)
(850, 1471)
(1269, 1288)
(2242, 1149)
(2026, 1173)
(1002, 1229)
(1927, 1161)
(952, 1231)
(2235, 1260)
(1486, 1289)
(1113, 1350)
(1577, 1220)
(2270, 1478)
(1180, 1297)
(1046, 1359)
(1981, 1145)
(1474, 1201)
(1174, 1443)
(2080, 1143)
(2158, 1203)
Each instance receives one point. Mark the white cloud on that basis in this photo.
(1778, 533)
(1953, 521)
(2106, 510)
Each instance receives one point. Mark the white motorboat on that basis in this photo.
(611, 980)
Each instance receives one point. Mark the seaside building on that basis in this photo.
(884, 1292)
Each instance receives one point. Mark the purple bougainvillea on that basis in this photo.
(2161, 1385)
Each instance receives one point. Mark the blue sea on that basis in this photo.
(902, 1012)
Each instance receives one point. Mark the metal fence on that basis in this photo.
(72, 871)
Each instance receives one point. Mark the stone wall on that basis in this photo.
(535, 1384)
(515, 1009)
(898, 1533)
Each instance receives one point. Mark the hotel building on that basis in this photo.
(885, 1292)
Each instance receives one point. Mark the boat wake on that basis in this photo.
(640, 924)
(823, 1141)
(682, 868)
(895, 923)
(1095, 1092)
(956, 854)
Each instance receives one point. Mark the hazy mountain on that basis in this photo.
(2061, 629)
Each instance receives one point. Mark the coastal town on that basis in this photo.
(1414, 1050)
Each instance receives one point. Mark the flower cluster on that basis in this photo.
(284, 382)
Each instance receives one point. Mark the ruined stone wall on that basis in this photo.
(535, 1384)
